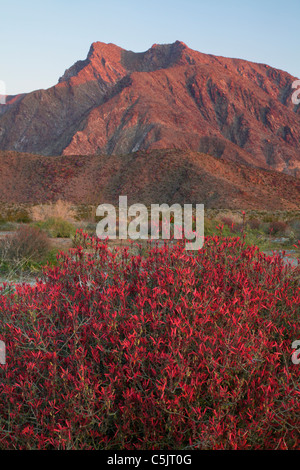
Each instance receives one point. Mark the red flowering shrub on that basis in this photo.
(174, 350)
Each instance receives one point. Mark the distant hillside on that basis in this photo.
(156, 176)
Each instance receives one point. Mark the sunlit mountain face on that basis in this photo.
(117, 101)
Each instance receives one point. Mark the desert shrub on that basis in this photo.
(17, 214)
(265, 228)
(27, 243)
(238, 229)
(278, 227)
(254, 224)
(57, 227)
(234, 222)
(228, 221)
(179, 350)
(61, 210)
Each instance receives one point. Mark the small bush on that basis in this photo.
(277, 227)
(27, 243)
(238, 228)
(58, 210)
(228, 221)
(57, 227)
(254, 224)
(18, 214)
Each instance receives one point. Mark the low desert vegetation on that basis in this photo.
(57, 227)
(10, 213)
(276, 231)
(26, 250)
(172, 350)
(62, 210)
(56, 219)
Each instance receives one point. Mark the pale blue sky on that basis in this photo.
(40, 39)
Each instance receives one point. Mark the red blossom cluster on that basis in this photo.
(169, 350)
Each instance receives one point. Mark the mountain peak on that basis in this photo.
(102, 56)
(181, 44)
(174, 44)
(119, 101)
(103, 62)
(102, 48)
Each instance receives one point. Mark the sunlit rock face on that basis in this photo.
(117, 101)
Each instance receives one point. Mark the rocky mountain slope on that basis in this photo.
(154, 176)
(117, 102)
